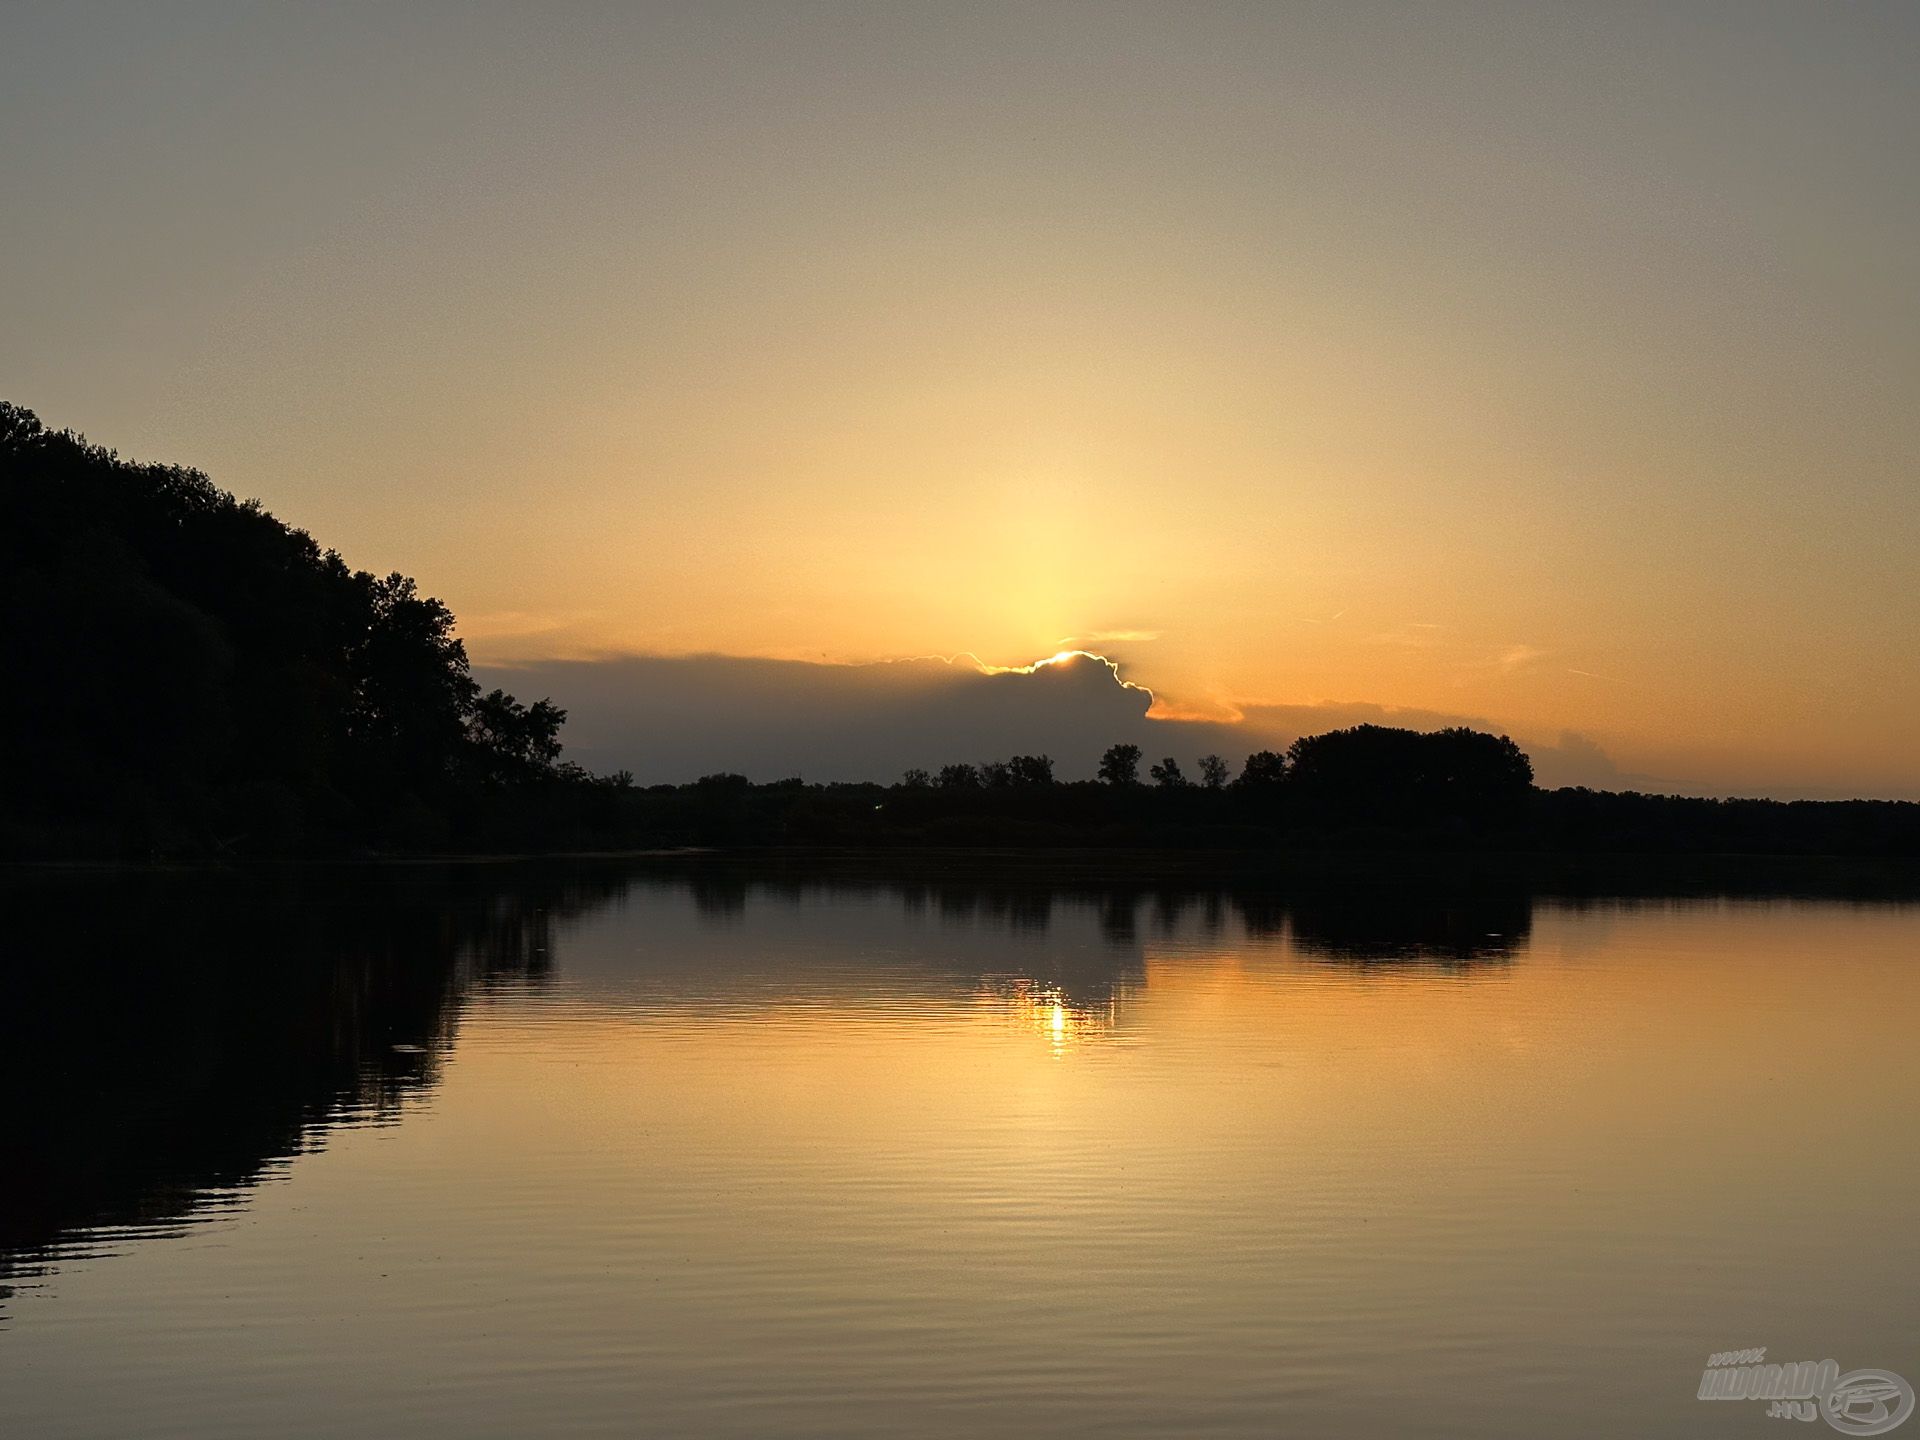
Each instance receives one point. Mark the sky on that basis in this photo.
(1552, 367)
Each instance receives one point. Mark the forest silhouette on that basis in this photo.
(193, 678)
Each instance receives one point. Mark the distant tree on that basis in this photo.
(1383, 775)
(916, 779)
(996, 774)
(1492, 766)
(1167, 774)
(958, 777)
(1030, 770)
(1264, 768)
(1213, 772)
(1121, 765)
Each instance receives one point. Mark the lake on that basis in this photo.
(713, 1148)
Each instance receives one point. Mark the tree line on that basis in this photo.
(188, 673)
(190, 677)
(1375, 768)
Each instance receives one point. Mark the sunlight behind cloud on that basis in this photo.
(1074, 347)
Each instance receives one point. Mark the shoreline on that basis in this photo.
(1594, 873)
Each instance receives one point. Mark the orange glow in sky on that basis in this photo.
(1539, 366)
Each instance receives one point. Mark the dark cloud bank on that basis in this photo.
(674, 718)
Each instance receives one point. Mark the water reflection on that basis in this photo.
(1421, 929)
(1058, 1016)
(164, 1040)
(167, 1043)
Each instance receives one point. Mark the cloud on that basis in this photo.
(1066, 658)
(492, 636)
(1426, 636)
(1574, 759)
(1111, 637)
(1518, 657)
(673, 718)
(1288, 722)
(1419, 635)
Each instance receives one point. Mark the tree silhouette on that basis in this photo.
(187, 675)
(203, 675)
(1031, 771)
(1379, 775)
(1121, 765)
(515, 742)
(1264, 770)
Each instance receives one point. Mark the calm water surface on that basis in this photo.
(515, 1152)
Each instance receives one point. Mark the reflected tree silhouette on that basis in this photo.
(166, 1039)
(1441, 929)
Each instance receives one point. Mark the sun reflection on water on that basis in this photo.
(1049, 1011)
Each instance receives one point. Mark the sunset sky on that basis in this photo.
(1553, 367)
